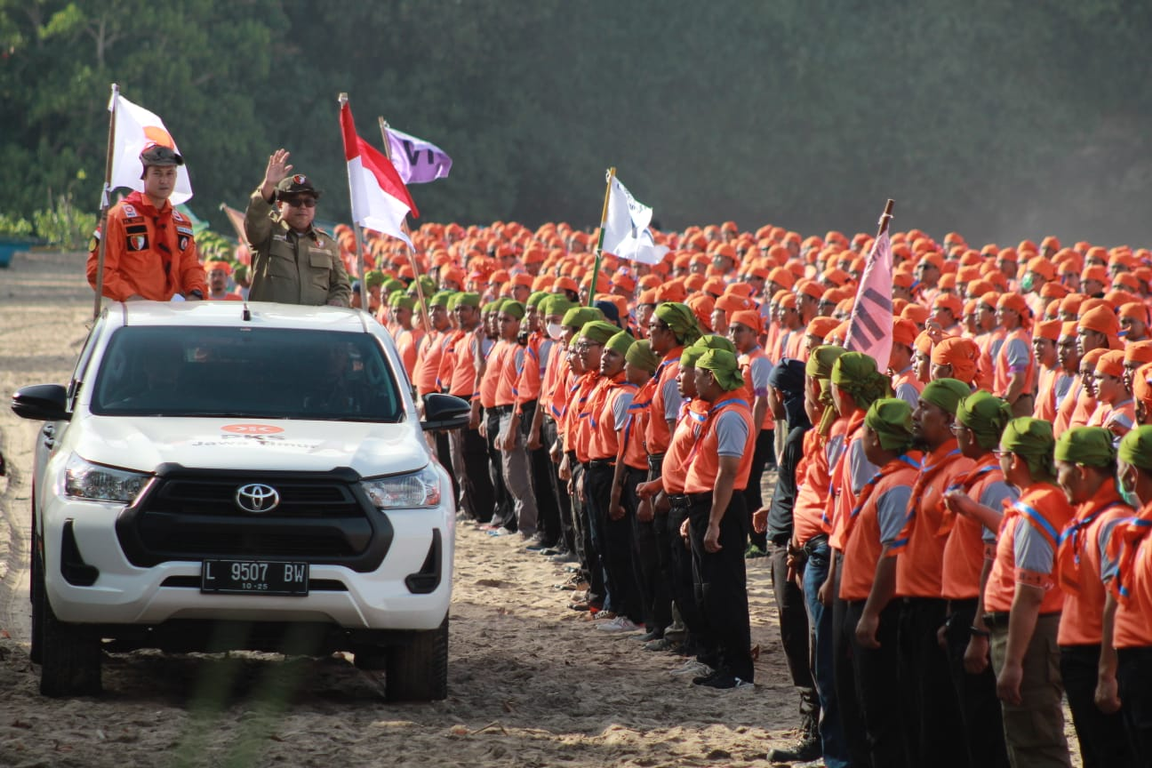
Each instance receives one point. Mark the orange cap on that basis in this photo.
(749, 318)
(1111, 363)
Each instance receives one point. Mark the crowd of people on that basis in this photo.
(957, 535)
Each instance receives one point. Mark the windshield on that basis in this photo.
(268, 373)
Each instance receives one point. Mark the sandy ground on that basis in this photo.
(531, 683)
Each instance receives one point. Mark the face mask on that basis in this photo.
(1027, 282)
(555, 331)
(1129, 497)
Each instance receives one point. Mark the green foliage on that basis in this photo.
(11, 226)
(64, 226)
(214, 246)
(1000, 120)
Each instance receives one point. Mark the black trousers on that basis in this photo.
(979, 707)
(794, 633)
(444, 456)
(612, 540)
(844, 674)
(503, 513)
(682, 579)
(548, 511)
(1134, 677)
(877, 698)
(477, 496)
(559, 488)
(1103, 740)
(590, 567)
(932, 729)
(653, 591)
(721, 584)
(753, 498)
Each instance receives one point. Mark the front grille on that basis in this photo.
(193, 515)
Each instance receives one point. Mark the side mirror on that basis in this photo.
(445, 412)
(41, 402)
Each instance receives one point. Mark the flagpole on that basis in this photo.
(411, 250)
(105, 200)
(600, 240)
(885, 218)
(342, 99)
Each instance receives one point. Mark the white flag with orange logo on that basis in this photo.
(135, 128)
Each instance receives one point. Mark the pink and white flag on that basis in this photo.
(870, 325)
(380, 201)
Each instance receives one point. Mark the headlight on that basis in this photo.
(419, 489)
(84, 480)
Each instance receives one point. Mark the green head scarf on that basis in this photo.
(620, 342)
(440, 299)
(513, 308)
(1032, 439)
(492, 306)
(986, 415)
(373, 278)
(598, 331)
(641, 355)
(400, 301)
(712, 341)
(537, 298)
(1136, 447)
(821, 359)
(891, 419)
(468, 300)
(724, 367)
(690, 355)
(856, 374)
(427, 284)
(391, 284)
(680, 318)
(1089, 446)
(578, 317)
(945, 394)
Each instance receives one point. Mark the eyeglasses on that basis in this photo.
(957, 428)
(306, 202)
(657, 326)
(584, 346)
(1000, 454)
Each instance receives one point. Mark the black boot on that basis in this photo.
(808, 748)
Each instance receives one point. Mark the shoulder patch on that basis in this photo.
(178, 216)
(129, 210)
(134, 220)
(184, 230)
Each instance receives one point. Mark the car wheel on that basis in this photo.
(418, 671)
(35, 588)
(70, 654)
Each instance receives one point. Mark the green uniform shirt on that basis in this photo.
(292, 268)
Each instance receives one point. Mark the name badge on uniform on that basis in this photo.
(281, 238)
(137, 237)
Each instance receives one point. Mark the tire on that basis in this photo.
(70, 654)
(35, 590)
(418, 671)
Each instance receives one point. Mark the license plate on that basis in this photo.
(254, 577)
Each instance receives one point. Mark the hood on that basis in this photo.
(143, 443)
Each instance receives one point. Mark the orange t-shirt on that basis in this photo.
(1004, 368)
(555, 371)
(864, 530)
(843, 497)
(492, 372)
(657, 434)
(1068, 406)
(428, 357)
(967, 543)
(704, 461)
(635, 455)
(1045, 407)
(1039, 515)
(529, 383)
(693, 414)
(603, 442)
(512, 365)
(1133, 585)
(1080, 559)
(811, 491)
(575, 417)
(919, 569)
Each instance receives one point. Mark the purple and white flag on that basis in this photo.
(417, 161)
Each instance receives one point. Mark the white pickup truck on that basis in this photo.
(221, 476)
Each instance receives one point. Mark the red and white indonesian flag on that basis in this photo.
(135, 128)
(380, 201)
(626, 233)
(870, 325)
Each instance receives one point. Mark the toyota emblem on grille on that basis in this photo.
(257, 498)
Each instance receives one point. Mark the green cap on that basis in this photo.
(492, 306)
(724, 367)
(1089, 446)
(401, 301)
(986, 415)
(945, 394)
(391, 284)
(468, 300)
(620, 342)
(821, 359)
(598, 331)
(373, 278)
(555, 304)
(513, 308)
(289, 186)
(1136, 447)
(641, 355)
(712, 341)
(891, 419)
(440, 299)
(577, 317)
(537, 298)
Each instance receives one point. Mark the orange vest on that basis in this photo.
(1046, 509)
(492, 372)
(1045, 407)
(745, 361)
(861, 538)
(657, 435)
(843, 499)
(555, 371)
(406, 344)
(579, 393)
(603, 441)
(921, 545)
(1000, 378)
(428, 359)
(1067, 406)
(965, 548)
(1133, 585)
(689, 426)
(704, 461)
(463, 382)
(635, 455)
(811, 491)
(512, 364)
(1079, 566)
(528, 385)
